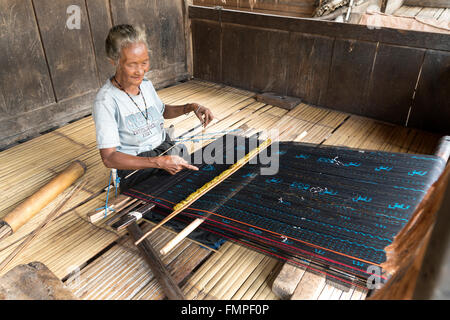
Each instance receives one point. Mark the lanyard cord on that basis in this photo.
(146, 110)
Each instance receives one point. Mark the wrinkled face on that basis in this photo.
(134, 62)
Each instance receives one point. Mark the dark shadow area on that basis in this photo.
(433, 281)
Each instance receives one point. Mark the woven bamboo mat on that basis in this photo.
(122, 274)
(109, 270)
(439, 14)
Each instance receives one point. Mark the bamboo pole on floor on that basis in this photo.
(43, 225)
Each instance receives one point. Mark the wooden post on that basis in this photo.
(150, 255)
(443, 148)
(383, 5)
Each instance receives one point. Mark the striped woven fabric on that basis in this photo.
(336, 207)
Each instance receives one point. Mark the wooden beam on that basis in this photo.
(160, 272)
(274, 99)
(410, 38)
(383, 5)
(33, 281)
(287, 280)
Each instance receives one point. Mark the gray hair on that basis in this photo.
(121, 36)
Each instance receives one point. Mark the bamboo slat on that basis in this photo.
(429, 13)
(223, 284)
(254, 259)
(445, 15)
(265, 290)
(346, 295)
(261, 281)
(358, 294)
(412, 11)
(121, 273)
(247, 288)
(400, 11)
(336, 294)
(327, 292)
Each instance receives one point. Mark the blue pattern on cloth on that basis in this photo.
(337, 206)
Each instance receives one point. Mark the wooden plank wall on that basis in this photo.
(398, 76)
(297, 8)
(49, 74)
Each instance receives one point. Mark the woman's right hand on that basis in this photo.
(174, 164)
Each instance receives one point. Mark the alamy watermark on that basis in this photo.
(374, 280)
(74, 19)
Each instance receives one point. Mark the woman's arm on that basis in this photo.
(114, 159)
(203, 114)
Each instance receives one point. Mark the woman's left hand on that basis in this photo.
(204, 114)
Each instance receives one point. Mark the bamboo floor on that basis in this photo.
(439, 14)
(98, 263)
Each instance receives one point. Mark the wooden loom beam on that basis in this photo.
(160, 272)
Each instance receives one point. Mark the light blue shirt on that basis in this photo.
(120, 124)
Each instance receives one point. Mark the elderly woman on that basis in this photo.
(129, 115)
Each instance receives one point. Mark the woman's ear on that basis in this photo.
(113, 62)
